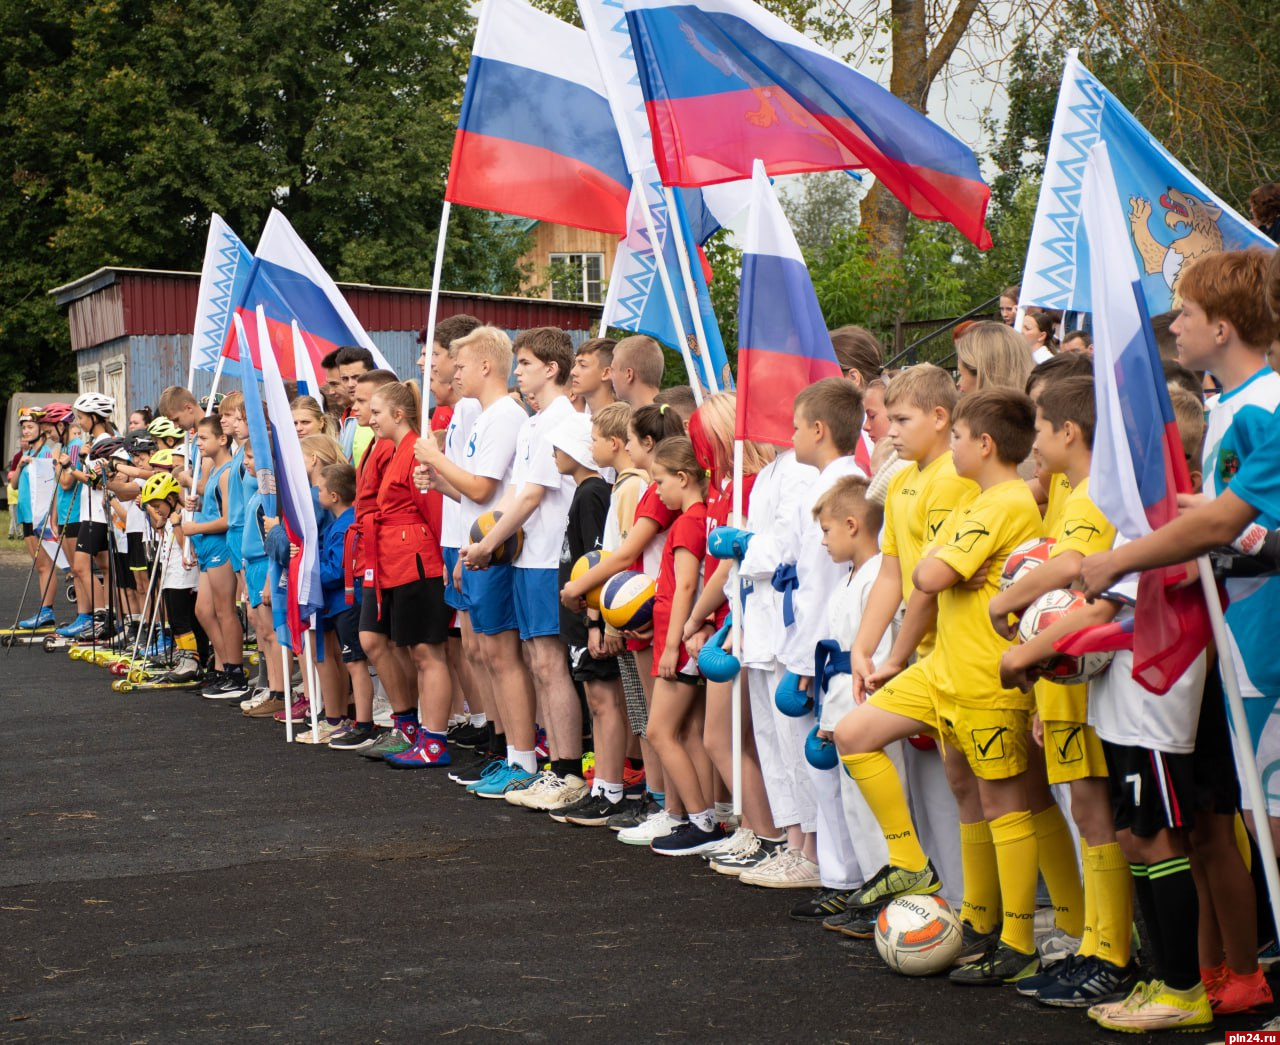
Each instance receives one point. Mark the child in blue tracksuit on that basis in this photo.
(336, 492)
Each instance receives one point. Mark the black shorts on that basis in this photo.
(71, 530)
(28, 529)
(369, 614)
(347, 625)
(123, 574)
(137, 553)
(1217, 785)
(583, 667)
(413, 614)
(92, 537)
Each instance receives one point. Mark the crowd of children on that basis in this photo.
(898, 738)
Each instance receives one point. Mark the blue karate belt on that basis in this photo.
(829, 660)
(786, 580)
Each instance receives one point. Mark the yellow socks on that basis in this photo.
(1110, 921)
(981, 905)
(878, 781)
(1014, 837)
(1061, 873)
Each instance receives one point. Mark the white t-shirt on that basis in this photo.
(176, 573)
(490, 451)
(536, 463)
(91, 505)
(465, 411)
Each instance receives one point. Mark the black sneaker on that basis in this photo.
(232, 685)
(688, 839)
(212, 683)
(357, 738)
(630, 813)
(472, 772)
(1031, 986)
(1091, 980)
(470, 736)
(822, 904)
(976, 944)
(592, 811)
(558, 815)
(1000, 965)
(859, 923)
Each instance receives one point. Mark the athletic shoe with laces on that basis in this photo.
(857, 923)
(42, 619)
(974, 944)
(560, 793)
(1268, 955)
(427, 752)
(255, 697)
(732, 842)
(1031, 986)
(633, 812)
(791, 870)
(266, 709)
(357, 738)
(77, 627)
(299, 711)
(658, 825)
(688, 839)
(509, 777)
(590, 811)
(393, 741)
(469, 736)
(632, 780)
(322, 734)
(1234, 993)
(1000, 965)
(234, 686)
(749, 857)
(822, 904)
(1135, 997)
(1056, 944)
(1086, 982)
(1159, 1007)
(523, 797)
(474, 771)
(890, 882)
(212, 682)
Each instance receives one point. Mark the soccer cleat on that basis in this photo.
(43, 619)
(975, 944)
(891, 882)
(822, 904)
(1156, 1006)
(688, 839)
(857, 923)
(789, 869)
(427, 751)
(754, 854)
(322, 734)
(632, 812)
(357, 738)
(658, 825)
(393, 741)
(591, 811)
(81, 625)
(1000, 965)
(509, 777)
(1234, 993)
(1086, 982)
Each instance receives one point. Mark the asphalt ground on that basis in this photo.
(174, 872)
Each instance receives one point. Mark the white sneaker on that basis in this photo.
(258, 696)
(737, 842)
(659, 825)
(526, 795)
(322, 734)
(381, 704)
(787, 869)
(1055, 945)
(560, 793)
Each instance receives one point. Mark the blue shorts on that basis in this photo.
(255, 579)
(347, 625)
(235, 539)
(538, 603)
(490, 598)
(212, 551)
(453, 598)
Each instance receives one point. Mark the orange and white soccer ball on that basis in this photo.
(1025, 558)
(919, 935)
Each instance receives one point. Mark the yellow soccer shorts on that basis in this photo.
(1072, 751)
(912, 694)
(992, 739)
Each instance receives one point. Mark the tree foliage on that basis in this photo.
(123, 123)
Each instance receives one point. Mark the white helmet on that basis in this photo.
(94, 403)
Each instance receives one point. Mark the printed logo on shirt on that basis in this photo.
(1228, 465)
(937, 516)
(1080, 530)
(988, 744)
(968, 535)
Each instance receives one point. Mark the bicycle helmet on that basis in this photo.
(105, 448)
(95, 403)
(57, 413)
(163, 428)
(163, 459)
(139, 441)
(160, 487)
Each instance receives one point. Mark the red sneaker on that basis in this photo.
(301, 710)
(1235, 993)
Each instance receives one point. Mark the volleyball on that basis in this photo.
(508, 550)
(626, 601)
(585, 563)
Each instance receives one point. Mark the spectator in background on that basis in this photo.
(1166, 341)
(1077, 341)
(1264, 208)
(337, 399)
(1038, 328)
(1009, 304)
(859, 353)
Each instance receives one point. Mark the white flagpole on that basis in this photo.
(637, 186)
(288, 694)
(735, 607)
(690, 292)
(1241, 737)
(434, 304)
(313, 674)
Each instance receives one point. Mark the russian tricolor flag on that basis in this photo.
(289, 284)
(536, 135)
(1138, 463)
(783, 344)
(726, 83)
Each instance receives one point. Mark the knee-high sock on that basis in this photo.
(880, 785)
(981, 904)
(1177, 909)
(1108, 904)
(1057, 855)
(1014, 836)
(1150, 919)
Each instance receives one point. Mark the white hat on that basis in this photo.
(573, 436)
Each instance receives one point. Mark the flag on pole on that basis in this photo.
(783, 344)
(1169, 216)
(535, 135)
(293, 493)
(256, 418)
(726, 82)
(289, 284)
(303, 367)
(222, 279)
(1138, 463)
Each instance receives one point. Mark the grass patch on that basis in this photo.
(7, 543)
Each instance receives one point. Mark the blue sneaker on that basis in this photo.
(509, 777)
(41, 620)
(82, 623)
(498, 765)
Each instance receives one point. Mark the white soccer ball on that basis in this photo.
(1025, 558)
(919, 935)
(1064, 669)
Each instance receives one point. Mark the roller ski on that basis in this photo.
(184, 674)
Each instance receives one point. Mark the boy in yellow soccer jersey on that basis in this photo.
(956, 690)
(1065, 419)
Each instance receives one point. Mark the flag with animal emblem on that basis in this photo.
(1138, 463)
(222, 279)
(1169, 216)
(783, 344)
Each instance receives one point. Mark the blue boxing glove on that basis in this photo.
(820, 752)
(790, 699)
(728, 542)
(715, 662)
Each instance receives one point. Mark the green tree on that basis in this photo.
(123, 123)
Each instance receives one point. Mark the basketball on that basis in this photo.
(626, 601)
(1066, 670)
(585, 563)
(1025, 558)
(508, 550)
(919, 935)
